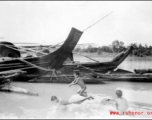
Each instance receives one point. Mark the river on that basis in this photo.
(138, 94)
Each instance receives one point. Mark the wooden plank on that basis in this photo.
(14, 89)
(10, 72)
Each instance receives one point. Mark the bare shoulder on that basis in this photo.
(120, 99)
(117, 100)
(124, 99)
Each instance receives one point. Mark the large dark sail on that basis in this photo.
(60, 55)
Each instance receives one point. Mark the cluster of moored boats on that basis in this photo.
(56, 67)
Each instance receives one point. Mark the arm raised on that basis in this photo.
(74, 82)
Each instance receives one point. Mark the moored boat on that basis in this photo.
(124, 75)
(37, 66)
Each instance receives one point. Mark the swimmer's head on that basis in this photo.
(119, 93)
(54, 99)
(76, 73)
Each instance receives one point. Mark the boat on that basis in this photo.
(65, 73)
(101, 67)
(51, 67)
(37, 66)
(125, 75)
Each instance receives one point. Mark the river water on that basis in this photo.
(138, 95)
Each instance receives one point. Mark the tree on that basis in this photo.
(117, 45)
(78, 49)
(99, 51)
(89, 48)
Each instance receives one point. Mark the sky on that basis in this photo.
(49, 22)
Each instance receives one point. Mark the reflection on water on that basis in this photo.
(23, 106)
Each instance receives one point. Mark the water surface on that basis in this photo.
(23, 106)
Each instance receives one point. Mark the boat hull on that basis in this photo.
(122, 75)
(37, 66)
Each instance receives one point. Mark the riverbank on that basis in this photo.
(111, 55)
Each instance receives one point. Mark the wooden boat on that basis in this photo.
(37, 66)
(65, 74)
(142, 71)
(101, 67)
(124, 75)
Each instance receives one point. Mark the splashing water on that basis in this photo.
(22, 106)
(90, 109)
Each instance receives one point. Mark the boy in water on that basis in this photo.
(78, 80)
(60, 102)
(120, 103)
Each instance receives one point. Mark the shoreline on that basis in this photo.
(112, 55)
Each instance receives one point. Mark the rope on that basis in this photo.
(97, 21)
(24, 49)
(86, 57)
(56, 44)
(33, 50)
(35, 66)
(89, 69)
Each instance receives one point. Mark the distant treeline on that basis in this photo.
(116, 47)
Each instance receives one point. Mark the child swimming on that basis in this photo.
(60, 102)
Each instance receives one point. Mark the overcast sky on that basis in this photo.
(49, 22)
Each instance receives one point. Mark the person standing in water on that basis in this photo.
(78, 80)
(121, 103)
